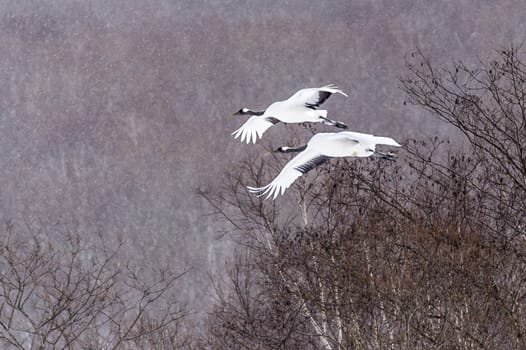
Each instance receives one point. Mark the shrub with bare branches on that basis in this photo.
(65, 294)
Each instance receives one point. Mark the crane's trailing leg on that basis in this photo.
(335, 123)
(382, 155)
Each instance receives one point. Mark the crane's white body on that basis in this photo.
(288, 112)
(299, 108)
(347, 144)
(319, 149)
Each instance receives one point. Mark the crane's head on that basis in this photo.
(285, 149)
(243, 111)
(248, 111)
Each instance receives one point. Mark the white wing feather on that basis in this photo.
(311, 96)
(253, 128)
(286, 177)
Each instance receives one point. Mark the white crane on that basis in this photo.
(320, 148)
(299, 108)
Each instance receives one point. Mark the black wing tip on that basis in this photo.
(272, 120)
(311, 164)
(322, 97)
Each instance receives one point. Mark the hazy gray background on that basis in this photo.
(112, 113)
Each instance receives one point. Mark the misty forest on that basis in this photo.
(132, 216)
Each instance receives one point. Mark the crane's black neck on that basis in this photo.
(284, 149)
(248, 111)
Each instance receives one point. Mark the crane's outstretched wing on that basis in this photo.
(314, 97)
(296, 167)
(254, 128)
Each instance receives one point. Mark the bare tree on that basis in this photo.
(70, 294)
(426, 253)
(486, 102)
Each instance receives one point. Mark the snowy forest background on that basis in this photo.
(125, 220)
